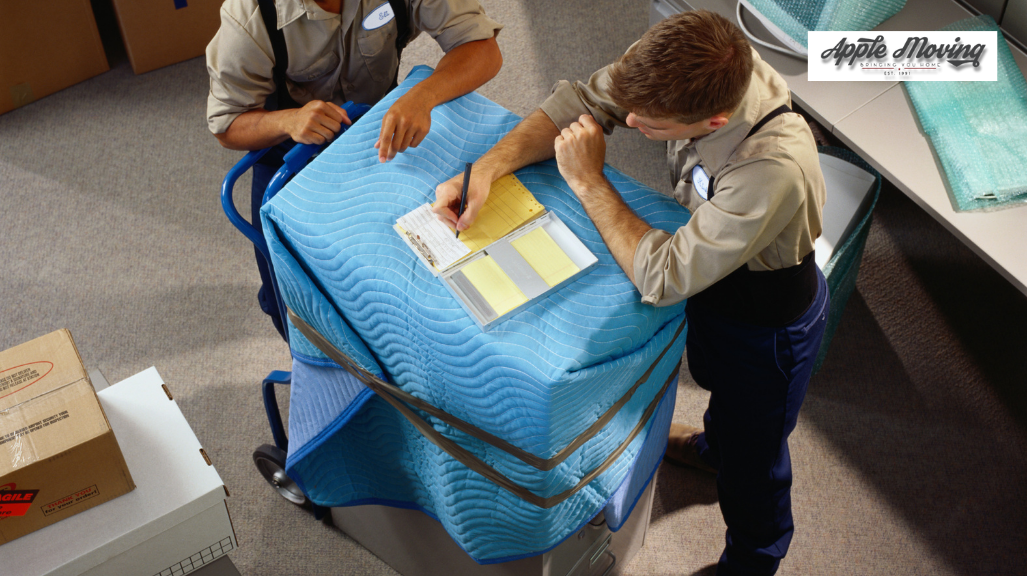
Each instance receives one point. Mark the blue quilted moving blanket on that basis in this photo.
(538, 381)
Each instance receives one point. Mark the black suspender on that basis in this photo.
(399, 9)
(773, 298)
(783, 109)
(280, 100)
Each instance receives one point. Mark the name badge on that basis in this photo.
(701, 182)
(378, 17)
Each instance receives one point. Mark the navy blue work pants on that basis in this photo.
(757, 378)
(262, 172)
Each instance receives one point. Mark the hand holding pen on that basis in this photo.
(458, 200)
(463, 194)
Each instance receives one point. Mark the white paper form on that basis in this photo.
(423, 228)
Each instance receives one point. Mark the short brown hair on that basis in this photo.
(689, 67)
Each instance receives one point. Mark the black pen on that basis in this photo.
(463, 194)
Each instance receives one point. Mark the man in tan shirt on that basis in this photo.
(340, 50)
(748, 171)
(336, 51)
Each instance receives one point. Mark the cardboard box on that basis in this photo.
(158, 33)
(174, 523)
(44, 51)
(58, 454)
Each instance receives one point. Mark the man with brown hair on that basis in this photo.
(748, 171)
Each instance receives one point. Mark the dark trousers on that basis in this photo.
(262, 172)
(757, 378)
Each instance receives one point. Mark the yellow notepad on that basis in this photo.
(541, 252)
(515, 253)
(494, 285)
(509, 206)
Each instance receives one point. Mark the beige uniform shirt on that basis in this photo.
(332, 57)
(766, 209)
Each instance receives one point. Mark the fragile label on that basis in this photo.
(14, 502)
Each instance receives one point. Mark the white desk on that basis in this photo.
(877, 120)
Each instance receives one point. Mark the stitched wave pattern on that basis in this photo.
(538, 380)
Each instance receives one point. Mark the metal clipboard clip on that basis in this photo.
(421, 247)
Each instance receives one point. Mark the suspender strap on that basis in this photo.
(399, 10)
(403, 401)
(402, 16)
(772, 298)
(280, 100)
(783, 109)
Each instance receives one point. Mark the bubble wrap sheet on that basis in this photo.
(797, 17)
(978, 130)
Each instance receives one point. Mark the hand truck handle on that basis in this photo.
(295, 160)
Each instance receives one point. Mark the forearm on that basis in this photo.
(462, 70)
(255, 130)
(619, 226)
(529, 142)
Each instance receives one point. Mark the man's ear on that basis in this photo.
(717, 121)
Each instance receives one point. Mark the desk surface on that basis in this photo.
(877, 120)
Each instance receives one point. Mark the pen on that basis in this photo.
(463, 194)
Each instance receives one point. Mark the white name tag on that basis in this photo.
(701, 182)
(378, 17)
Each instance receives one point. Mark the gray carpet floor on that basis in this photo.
(910, 453)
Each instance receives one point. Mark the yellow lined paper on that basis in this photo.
(542, 254)
(509, 205)
(494, 285)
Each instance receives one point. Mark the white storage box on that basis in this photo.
(849, 196)
(173, 523)
(414, 544)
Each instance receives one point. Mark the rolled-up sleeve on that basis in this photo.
(452, 22)
(569, 101)
(752, 203)
(240, 64)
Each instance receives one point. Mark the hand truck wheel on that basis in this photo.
(270, 462)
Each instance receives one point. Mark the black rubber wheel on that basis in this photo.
(270, 462)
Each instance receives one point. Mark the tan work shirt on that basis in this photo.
(332, 57)
(768, 196)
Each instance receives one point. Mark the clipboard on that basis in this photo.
(516, 253)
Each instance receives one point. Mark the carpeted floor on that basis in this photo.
(909, 455)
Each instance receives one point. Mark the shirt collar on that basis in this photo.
(291, 10)
(717, 147)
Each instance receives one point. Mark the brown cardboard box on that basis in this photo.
(158, 33)
(58, 454)
(46, 49)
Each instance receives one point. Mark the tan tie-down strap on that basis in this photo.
(399, 399)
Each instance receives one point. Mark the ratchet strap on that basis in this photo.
(400, 400)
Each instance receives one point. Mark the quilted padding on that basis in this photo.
(538, 380)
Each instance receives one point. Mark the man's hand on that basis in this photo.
(316, 122)
(405, 124)
(447, 198)
(581, 152)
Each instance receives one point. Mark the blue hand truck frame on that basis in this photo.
(270, 459)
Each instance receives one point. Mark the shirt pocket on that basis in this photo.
(378, 49)
(324, 66)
